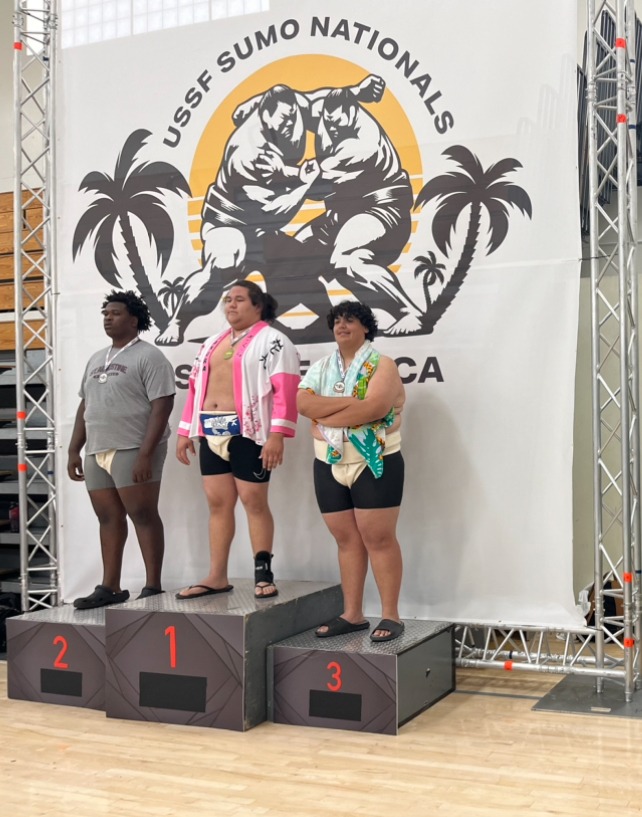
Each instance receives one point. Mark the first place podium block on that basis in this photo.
(203, 662)
(57, 656)
(351, 682)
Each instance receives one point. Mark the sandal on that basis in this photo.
(205, 590)
(146, 592)
(394, 628)
(263, 576)
(101, 597)
(340, 626)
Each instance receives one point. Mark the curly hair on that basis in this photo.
(134, 305)
(268, 304)
(358, 310)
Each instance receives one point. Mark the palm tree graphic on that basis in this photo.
(131, 192)
(430, 271)
(473, 188)
(170, 294)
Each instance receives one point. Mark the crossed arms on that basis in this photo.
(385, 391)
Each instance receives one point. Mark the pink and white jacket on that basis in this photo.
(265, 376)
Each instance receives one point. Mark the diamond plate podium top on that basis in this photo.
(65, 614)
(240, 601)
(416, 631)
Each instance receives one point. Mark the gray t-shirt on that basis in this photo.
(117, 412)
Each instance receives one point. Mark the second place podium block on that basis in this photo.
(57, 656)
(203, 662)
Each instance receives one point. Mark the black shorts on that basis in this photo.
(245, 461)
(367, 493)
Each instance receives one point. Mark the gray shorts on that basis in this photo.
(97, 478)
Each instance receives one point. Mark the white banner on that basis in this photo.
(180, 172)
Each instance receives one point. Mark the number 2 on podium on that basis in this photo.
(336, 676)
(59, 663)
(171, 632)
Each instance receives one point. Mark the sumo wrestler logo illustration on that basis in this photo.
(314, 192)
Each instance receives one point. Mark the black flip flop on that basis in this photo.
(340, 626)
(101, 597)
(395, 628)
(263, 576)
(207, 591)
(275, 591)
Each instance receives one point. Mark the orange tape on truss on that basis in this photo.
(508, 665)
(622, 118)
(22, 467)
(17, 46)
(628, 577)
(21, 415)
(629, 642)
(620, 42)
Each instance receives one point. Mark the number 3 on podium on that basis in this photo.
(336, 676)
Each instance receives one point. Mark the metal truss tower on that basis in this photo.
(610, 648)
(35, 306)
(615, 340)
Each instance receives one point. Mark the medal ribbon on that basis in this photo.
(109, 361)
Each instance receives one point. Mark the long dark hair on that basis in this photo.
(268, 304)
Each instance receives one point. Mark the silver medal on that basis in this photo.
(102, 378)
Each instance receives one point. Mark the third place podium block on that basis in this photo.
(351, 682)
(202, 662)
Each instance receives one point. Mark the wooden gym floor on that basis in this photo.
(481, 751)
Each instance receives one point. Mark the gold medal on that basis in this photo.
(233, 341)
